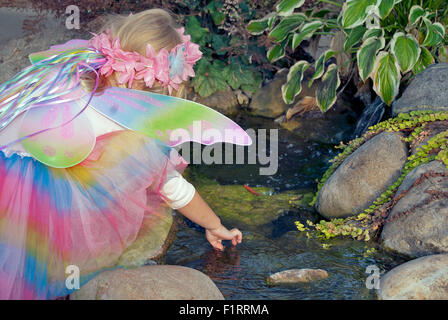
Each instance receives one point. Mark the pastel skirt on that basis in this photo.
(55, 223)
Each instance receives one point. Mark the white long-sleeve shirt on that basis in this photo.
(177, 190)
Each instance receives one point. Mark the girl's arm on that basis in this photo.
(199, 212)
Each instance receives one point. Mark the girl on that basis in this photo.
(85, 213)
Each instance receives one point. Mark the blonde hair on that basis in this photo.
(154, 26)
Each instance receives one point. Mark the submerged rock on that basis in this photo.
(424, 278)
(363, 176)
(162, 282)
(296, 276)
(237, 206)
(418, 223)
(428, 91)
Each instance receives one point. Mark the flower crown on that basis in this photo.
(169, 68)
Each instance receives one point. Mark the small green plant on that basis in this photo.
(388, 40)
(231, 56)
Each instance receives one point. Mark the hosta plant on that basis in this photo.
(386, 40)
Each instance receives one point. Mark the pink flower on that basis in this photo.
(169, 68)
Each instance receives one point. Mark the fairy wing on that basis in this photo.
(169, 119)
(66, 136)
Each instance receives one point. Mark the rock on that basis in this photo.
(296, 276)
(428, 91)
(424, 278)
(226, 102)
(153, 240)
(17, 45)
(424, 230)
(161, 282)
(363, 176)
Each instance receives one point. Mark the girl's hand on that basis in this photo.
(215, 236)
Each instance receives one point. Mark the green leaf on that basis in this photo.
(386, 7)
(320, 13)
(293, 84)
(424, 60)
(415, 14)
(217, 16)
(326, 94)
(406, 49)
(286, 26)
(306, 32)
(354, 37)
(219, 42)
(354, 12)
(198, 34)
(366, 56)
(237, 74)
(434, 33)
(257, 27)
(209, 77)
(386, 77)
(286, 7)
(373, 33)
(276, 52)
(319, 65)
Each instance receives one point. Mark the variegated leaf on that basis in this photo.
(406, 49)
(416, 14)
(354, 37)
(306, 32)
(286, 26)
(293, 84)
(424, 60)
(319, 65)
(366, 56)
(286, 7)
(355, 12)
(256, 27)
(326, 94)
(386, 77)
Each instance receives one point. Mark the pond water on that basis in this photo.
(240, 272)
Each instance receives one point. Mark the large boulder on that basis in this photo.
(424, 278)
(428, 91)
(418, 223)
(162, 282)
(363, 176)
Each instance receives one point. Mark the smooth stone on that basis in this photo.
(363, 176)
(424, 278)
(424, 230)
(226, 102)
(160, 282)
(428, 91)
(296, 276)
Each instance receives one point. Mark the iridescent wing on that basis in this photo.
(169, 119)
(57, 49)
(69, 138)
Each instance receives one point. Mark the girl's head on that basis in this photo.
(155, 27)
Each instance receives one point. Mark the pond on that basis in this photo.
(240, 272)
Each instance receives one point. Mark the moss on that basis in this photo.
(233, 203)
(412, 124)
